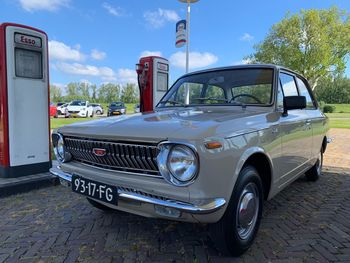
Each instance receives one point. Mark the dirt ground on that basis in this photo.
(338, 151)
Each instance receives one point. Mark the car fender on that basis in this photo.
(245, 156)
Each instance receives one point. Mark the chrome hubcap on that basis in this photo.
(247, 211)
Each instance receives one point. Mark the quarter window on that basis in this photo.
(303, 91)
(288, 85)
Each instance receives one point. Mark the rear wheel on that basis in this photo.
(236, 230)
(315, 171)
(99, 205)
(98, 112)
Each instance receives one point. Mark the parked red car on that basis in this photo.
(53, 110)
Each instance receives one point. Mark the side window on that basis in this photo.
(288, 85)
(303, 91)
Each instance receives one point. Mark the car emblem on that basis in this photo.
(99, 152)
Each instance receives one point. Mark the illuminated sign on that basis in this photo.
(27, 40)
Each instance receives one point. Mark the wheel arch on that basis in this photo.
(260, 160)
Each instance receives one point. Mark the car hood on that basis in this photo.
(181, 124)
(75, 108)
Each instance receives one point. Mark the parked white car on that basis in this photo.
(62, 109)
(80, 108)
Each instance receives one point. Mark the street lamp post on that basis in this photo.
(188, 30)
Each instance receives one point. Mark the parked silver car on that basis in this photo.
(98, 109)
(219, 143)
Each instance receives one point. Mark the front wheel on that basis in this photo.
(236, 230)
(315, 171)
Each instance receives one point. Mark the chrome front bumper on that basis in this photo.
(201, 207)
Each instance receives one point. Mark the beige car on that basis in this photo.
(219, 143)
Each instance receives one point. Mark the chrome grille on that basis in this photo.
(128, 157)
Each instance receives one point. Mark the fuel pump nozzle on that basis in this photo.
(142, 70)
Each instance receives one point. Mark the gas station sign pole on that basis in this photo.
(188, 30)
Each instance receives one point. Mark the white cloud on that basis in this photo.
(147, 53)
(246, 37)
(125, 75)
(243, 62)
(60, 51)
(159, 17)
(97, 55)
(49, 5)
(115, 11)
(105, 73)
(196, 59)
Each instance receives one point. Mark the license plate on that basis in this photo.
(116, 112)
(74, 114)
(96, 190)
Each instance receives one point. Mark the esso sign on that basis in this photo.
(27, 40)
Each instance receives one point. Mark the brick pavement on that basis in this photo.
(307, 222)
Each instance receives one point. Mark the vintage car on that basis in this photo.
(218, 143)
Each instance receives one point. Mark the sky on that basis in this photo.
(101, 41)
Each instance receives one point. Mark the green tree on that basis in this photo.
(84, 90)
(109, 92)
(335, 90)
(93, 93)
(72, 91)
(130, 93)
(55, 93)
(314, 43)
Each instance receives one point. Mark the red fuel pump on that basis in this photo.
(153, 75)
(24, 85)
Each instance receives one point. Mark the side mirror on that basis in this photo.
(293, 103)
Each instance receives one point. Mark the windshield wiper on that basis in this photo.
(238, 103)
(174, 102)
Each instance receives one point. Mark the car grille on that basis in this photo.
(73, 111)
(129, 157)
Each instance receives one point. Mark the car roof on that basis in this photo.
(245, 66)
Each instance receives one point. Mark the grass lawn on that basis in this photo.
(339, 123)
(341, 108)
(56, 123)
(340, 118)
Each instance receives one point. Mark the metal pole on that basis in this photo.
(187, 89)
(188, 35)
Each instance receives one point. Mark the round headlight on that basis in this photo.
(182, 163)
(59, 147)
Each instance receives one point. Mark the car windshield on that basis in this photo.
(245, 86)
(78, 103)
(116, 104)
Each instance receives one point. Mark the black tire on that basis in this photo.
(315, 171)
(99, 205)
(87, 114)
(98, 112)
(229, 236)
(92, 114)
(56, 115)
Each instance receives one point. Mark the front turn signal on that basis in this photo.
(213, 145)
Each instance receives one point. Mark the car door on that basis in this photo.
(316, 117)
(296, 134)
